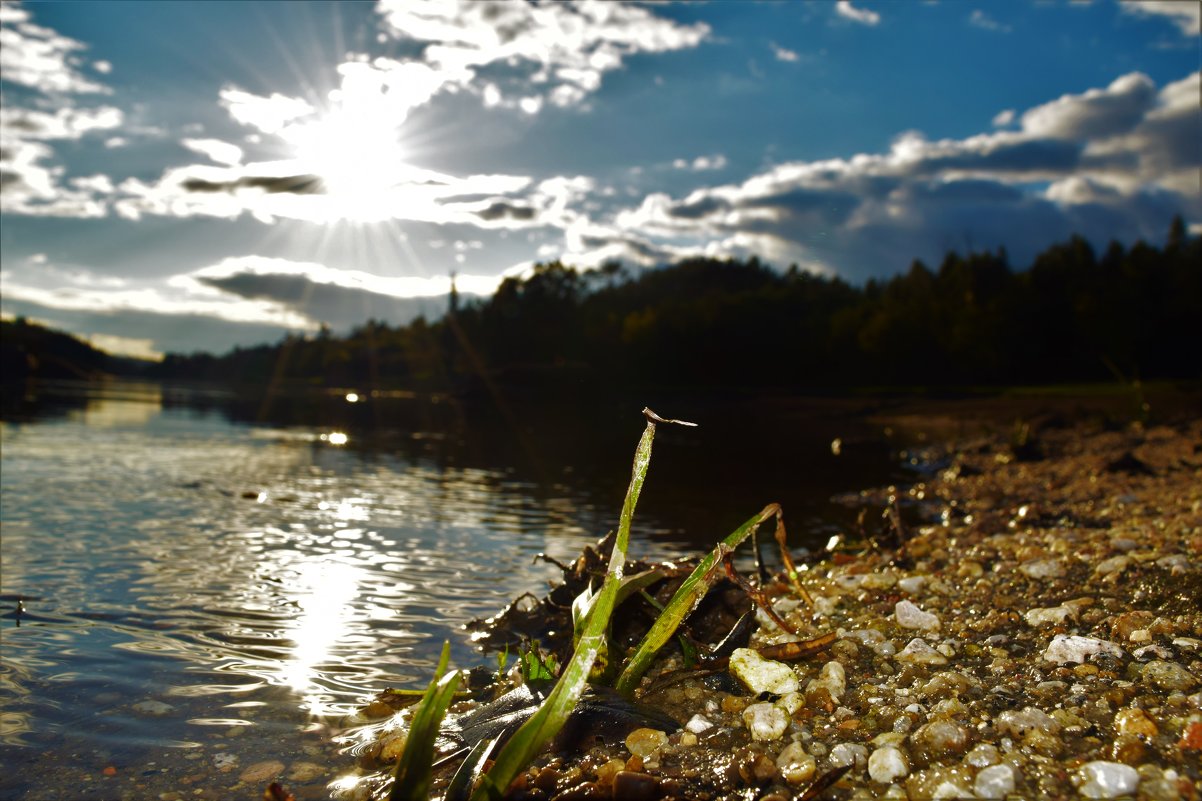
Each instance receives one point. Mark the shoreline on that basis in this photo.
(1038, 635)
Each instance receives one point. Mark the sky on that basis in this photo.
(192, 176)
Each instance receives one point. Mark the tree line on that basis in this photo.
(1071, 315)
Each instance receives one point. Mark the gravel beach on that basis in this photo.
(1034, 630)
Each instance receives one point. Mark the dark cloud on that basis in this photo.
(272, 185)
(340, 307)
(504, 209)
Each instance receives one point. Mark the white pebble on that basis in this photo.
(983, 755)
(996, 781)
(849, 754)
(1030, 718)
(887, 764)
(1074, 648)
(698, 724)
(765, 721)
(918, 652)
(1052, 615)
(1106, 779)
(912, 584)
(1114, 565)
(909, 616)
(762, 675)
(1042, 568)
(833, 678)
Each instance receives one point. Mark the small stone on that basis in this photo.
(698, 723)
(645, 742)
(1106, 779)
(983, 755)
(1042, 568)
(1135, 722)
(305, 771)
(765, 721)
(912, 584)
(1115, 565)
(940, 740)
(833, 678)
(1053, 615)
(940, 783)
(688, 739)
(918, 652)
(262, 771)
(762, 675)
(909, 616)
(1167, 676)
(849, 754)
(1066, 648)
(795, 765)
(996, 781)
(155, 709)
(635, 786)
(886, 764)
(1018, 724)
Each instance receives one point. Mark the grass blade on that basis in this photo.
(411, 781)
(554, 711)
(684, 601)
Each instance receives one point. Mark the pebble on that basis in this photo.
(1018, 724)
(765, 721)
(849, 754)
(983, 755)
(1135, 722)
(886, 764)
(995, 781)
(1066, 648)
(262, 771)
(918, 652)
(1052, 615)
(698, 723)
(1042, 568)
(1167, 676)
(635, 786)
(833, 677)
(795, 765)
(646, 742)
(155, 709)
(1115, 565)
(940, 783)
(912, 584)
(305, 771)
(762, 675)
(1106, 779)
(941, 739)
(910, 616)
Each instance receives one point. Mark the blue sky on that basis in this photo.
(196, 175)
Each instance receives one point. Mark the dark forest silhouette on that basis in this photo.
(1070, 316)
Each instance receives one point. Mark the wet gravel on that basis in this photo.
(1034, 631)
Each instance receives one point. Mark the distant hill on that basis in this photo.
(29, 350)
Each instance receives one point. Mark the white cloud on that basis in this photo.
(1185, 14)
(560, 51)
(267, 114)
(1003, 118)
(845, 9)
(1117, 162)
(701, 163)
(979, 19)
(41, 58)
(784, 53)
(216, 150)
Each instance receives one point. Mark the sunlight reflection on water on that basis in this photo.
(178, 558)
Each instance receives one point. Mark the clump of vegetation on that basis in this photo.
(592, 613)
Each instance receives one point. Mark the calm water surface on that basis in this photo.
(202, 594)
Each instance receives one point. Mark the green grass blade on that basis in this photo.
(473, 765)
(411, 781)
(535, 733)
(683, 602)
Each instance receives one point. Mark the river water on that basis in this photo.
(203, 595)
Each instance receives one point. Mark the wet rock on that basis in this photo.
(910, 616)
(762, 675)
(635, 786)
(795, 765)
(940, 783)
(941, 740)
(1114, 566)
(646, 743)
(886, 764)
(262, 772)
(852, 754)
(1134, 722)
(918, 652)
(305, 771)
(996, 781)
(765, 721)
(1018, 724)
(1167, 676)
(1042, 568)
(1106, 779)
(833, 678)
(1066, 648)
(155, 709)
(698, 723)
(983, 755)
